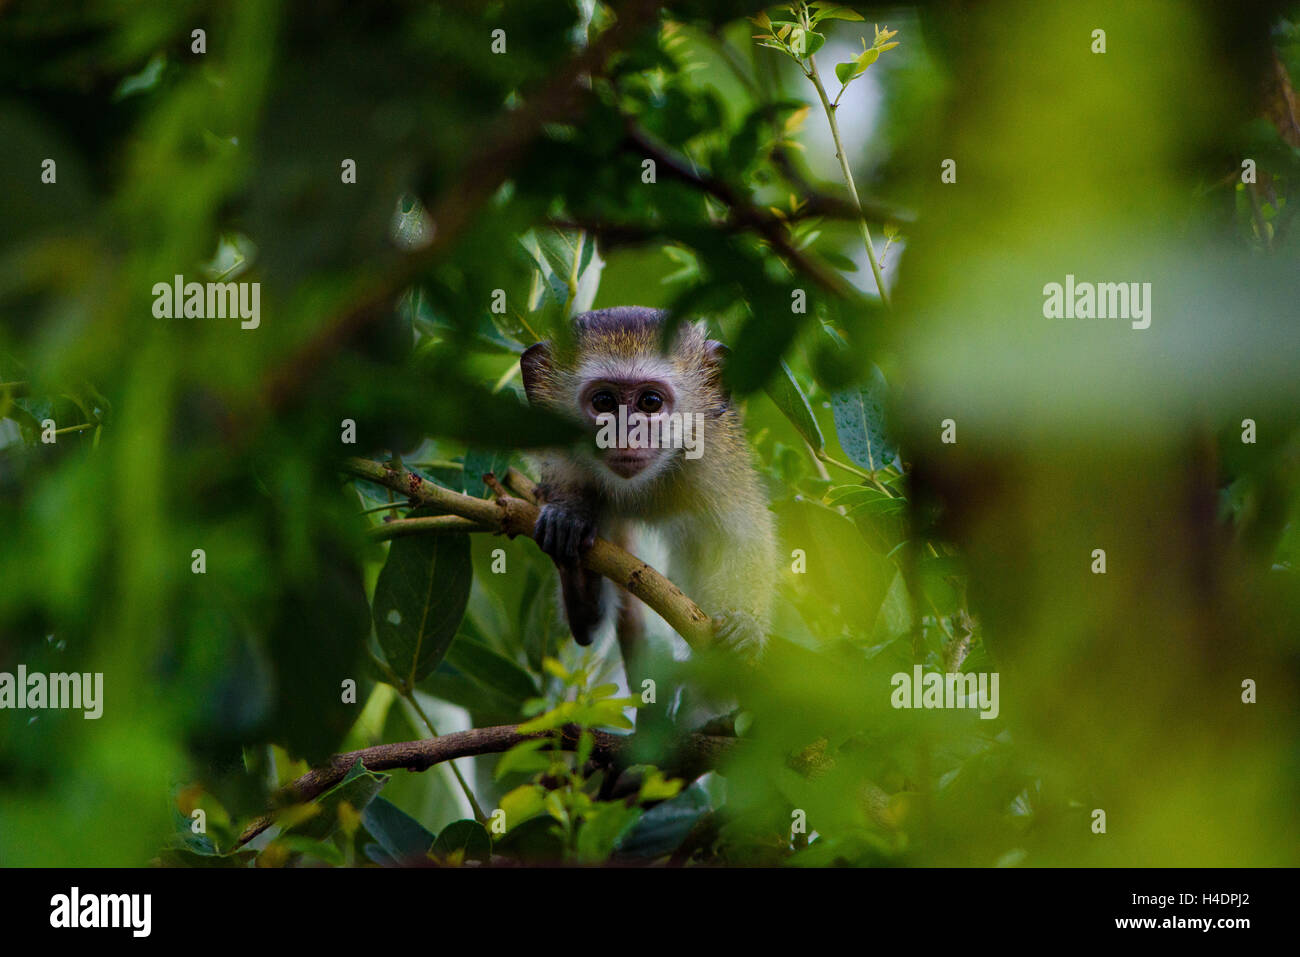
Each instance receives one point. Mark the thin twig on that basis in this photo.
(428, 524)
(743, 213)
(409, 694)
(842, 156)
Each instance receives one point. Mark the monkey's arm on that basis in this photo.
(566, 528)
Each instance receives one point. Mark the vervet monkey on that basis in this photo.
(701, 491)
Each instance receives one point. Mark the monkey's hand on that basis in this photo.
(565, 531)
(740, 633)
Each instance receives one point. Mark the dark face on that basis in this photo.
(641, 402)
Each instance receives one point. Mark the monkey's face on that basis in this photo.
(644, 406)
(629, 417)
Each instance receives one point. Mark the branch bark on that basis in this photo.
(515, 516)
(400, 528)
(696, 753)
(743, 214)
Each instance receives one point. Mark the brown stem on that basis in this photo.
(698, 752)
(743, 214)
(401, 527)
(515, 516)
(521, 485)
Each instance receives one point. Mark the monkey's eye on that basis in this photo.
(650, 401)
(603, 402)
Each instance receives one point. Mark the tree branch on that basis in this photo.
(743, 214)
(696, 753)
(402, 527)
(515, 516)
(813, 205)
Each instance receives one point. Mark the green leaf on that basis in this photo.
(557, 717)
(463, 841)
(895, 618)
(866, 58)
(846, 71)
(358, 788)
(522, 804)
(478, 462)
(786, 394)
(184, 857)
(839, 13)
(862, 500)
(805, 43)
(497, 672)
(602, 830)
(322, 850)
(860, 423)
(941, 580)
(559, 248)
(535, 841)
(400, 835)
(663, 827)
(524, 758)
(420, 599)
(377, 854)
(656, 787)
(838, 260)
(553, 260)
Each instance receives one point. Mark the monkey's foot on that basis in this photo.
(740, 633)
(564, 533)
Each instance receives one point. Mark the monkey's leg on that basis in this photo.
(630, 629)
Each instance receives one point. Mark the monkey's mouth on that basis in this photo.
(626, 463)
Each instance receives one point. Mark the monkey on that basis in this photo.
(708, 502)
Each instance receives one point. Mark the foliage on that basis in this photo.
(517, 179)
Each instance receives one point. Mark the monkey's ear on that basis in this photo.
(715, 357)
(535, 364)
